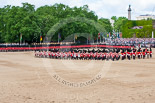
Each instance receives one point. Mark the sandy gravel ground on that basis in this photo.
(26, 79)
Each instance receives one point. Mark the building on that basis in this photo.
(147, 16)
(137, 27)
(129, 13)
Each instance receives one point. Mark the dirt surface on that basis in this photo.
(26, 79)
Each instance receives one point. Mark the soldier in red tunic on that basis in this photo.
(91, 55)
(113, 56)
(107, 55)
(143, 53)
(150, 52)
(138, 54)
(122, 55)
(98, 56)
(128, 54)
(81, 56)
(134, 53)
(117, 56)
(104, 56)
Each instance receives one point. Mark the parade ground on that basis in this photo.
(27, 79)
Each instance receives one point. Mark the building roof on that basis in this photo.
(147, 15)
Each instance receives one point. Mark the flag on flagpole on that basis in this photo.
(98, 35)
(75, 36)
(41, 38)
(21, 37)
(118, 35)
(89, 37)
(109, 35)
(95, 38)
(114, 34)
(59, 36)
(101, 35)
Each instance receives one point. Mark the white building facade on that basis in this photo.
(147, 16)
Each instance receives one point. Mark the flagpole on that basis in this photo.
(74, 38)
(97, 39)
(40, 38)
(103, 37)
(87, 38)
(20, 39)
(58, 37)
(93, 39)
(100, 37)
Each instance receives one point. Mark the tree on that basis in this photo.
(106, 24)
(31, 23)
(114, 18)
(118, 25)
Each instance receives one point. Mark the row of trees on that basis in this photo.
(31, 23)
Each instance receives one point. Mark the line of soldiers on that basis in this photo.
(113, 54)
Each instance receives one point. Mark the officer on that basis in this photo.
(150, 52)
(128, 54)
(122, 54)
(143, 53)
(134, 53)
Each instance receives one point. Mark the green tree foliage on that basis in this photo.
(118, 25)
(106, 24)
(114, 18)
(32, 23)
(18, 20)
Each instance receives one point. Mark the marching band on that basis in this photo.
(113, 54)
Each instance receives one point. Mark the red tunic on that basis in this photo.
(150, 52)
(143, 53)
(138, 53)
(117, 54)
(88, 55)
(134, 54)
(112, 55)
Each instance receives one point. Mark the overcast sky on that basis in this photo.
(102, 8)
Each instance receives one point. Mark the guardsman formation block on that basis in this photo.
(105, 54)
